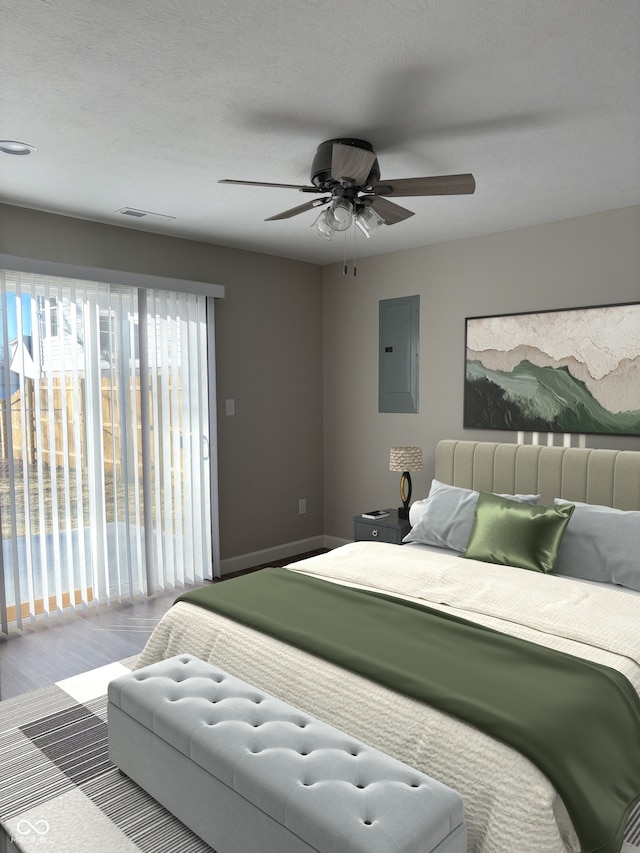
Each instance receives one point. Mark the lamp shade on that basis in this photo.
(368, 221)
(406, 459)
(339, 214)
(322, 227)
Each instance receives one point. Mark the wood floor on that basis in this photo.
(39, 657)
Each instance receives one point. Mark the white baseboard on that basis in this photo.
(280, 552)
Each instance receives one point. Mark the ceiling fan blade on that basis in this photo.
(263, 184)
(436, 185)
(389, 211)
(351, 164)
(301, 208)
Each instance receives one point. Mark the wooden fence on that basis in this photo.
(61, 410)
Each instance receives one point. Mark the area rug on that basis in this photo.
(59, 791)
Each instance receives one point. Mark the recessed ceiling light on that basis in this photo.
(10, 146)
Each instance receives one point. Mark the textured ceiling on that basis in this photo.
(148, 103)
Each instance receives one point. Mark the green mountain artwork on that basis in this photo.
(541, 399)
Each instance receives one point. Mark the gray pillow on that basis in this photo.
(445, 517)
(601, 544)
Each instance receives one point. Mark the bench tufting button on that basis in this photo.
(367, 822)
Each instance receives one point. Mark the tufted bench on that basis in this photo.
(251, 774)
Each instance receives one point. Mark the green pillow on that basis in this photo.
(516, 534)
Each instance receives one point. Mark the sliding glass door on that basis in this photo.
(104, 444)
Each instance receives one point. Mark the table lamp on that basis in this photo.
(405, 459)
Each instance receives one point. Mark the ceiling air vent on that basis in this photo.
(140, 214)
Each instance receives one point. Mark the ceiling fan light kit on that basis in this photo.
(347, 171)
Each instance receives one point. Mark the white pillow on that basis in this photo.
(445, 517)
(601, 544)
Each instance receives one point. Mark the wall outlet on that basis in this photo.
(302, 506)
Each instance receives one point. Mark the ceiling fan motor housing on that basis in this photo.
(321, 166)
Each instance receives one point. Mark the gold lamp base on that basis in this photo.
(405, 495)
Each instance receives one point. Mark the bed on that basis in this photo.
(509, 803)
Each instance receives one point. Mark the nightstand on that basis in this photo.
(389, 529)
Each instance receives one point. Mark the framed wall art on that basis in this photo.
(575, 370)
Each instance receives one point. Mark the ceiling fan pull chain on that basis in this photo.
(355, 237)
(344, 254)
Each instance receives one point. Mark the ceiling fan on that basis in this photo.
(347, 172)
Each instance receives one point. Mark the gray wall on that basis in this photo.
(283, 324)
(591, 260)
(269, 360)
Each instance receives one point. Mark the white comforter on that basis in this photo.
(510, 807)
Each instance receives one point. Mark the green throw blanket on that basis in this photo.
(577, 721)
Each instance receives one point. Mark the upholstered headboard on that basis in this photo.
(606, 477)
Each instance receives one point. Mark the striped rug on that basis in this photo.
(59, 791)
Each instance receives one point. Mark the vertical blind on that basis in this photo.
(104, 444)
